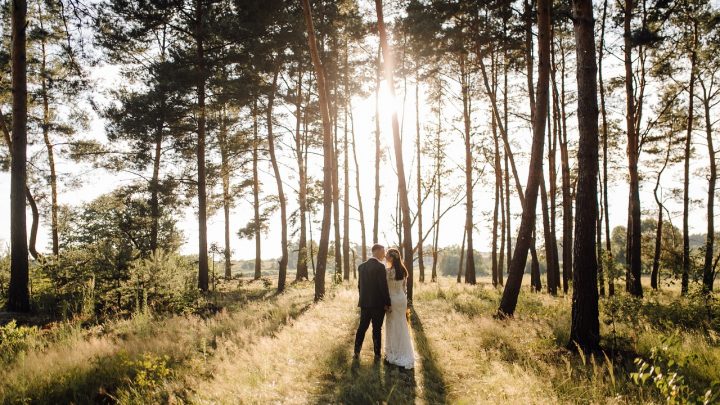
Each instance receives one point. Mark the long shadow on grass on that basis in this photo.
(434, 388)
(348, 381)
(99, 382)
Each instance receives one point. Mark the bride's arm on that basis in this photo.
(405, 285)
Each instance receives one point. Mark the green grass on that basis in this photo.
(268, 348)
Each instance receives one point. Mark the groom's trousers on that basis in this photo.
(368, 316)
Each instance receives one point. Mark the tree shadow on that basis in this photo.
(433, 384)
(364, 381)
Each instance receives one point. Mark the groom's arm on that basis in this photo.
(383, 284)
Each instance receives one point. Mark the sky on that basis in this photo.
(97, 181)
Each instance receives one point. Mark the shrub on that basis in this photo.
(15, 340)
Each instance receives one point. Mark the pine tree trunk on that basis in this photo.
(327, 155)
(686, 178)
(469, 225)
(302, 267)
(49, 147)
(708, 268)
(462, 258)
(418, 146)
(438, 187)
(225, 172)
(527, 222)
(498, 203)
(203, 277)
(282, 271)
(378, 152)
(18, 293)
(402, 187)
(549, 259)
(346, 175)
(634, 232)
(608, 245)
(357, 190)
(654, 275)
(585, 327)
(566, 186)
(256, 193)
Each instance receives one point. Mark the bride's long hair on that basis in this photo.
(401, 271)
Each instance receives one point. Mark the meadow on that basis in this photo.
(261, 347)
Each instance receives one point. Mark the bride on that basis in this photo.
(398, 343)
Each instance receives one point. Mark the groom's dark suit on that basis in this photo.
(374, 297)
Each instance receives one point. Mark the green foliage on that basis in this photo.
(150, 371)
(4, 277)
(15, 340)
(664, 373)
(163, 283)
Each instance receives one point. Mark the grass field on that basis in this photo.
(267, 348)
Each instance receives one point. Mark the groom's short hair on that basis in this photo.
(377, 246)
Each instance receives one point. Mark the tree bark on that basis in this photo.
(378, 152)
(585, 326)
(18, 293)
(327, 154)
(49, 146)
(203, 277)
(708, 268)
(302, 267)
(346, 175)
(256, 193)
(527, 222)
(634, 232)
(282, 270)
(418, 145)
(227, 199)
(357, 189)
(462, 258)
(608, 245)
(402, 187)
(686, 179)
(469, 225)
(659, 230)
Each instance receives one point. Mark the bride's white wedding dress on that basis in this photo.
(398, 343)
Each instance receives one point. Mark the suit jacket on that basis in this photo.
(372, 285)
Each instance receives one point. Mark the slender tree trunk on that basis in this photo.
(357, 189)
(346, 184)
(338, 276)
(402, 187)
(498, 204)
(566, 186)
(256, 193)
(598, 240)
(378, 152)
(49, 147)
(327, 155)
(421, 257)
(585, 327)
(686, 178)
(634, 237)
(535, 282)
(462, 258)
(18, 293)
(438, 181)
(227, 199)
(202, 193)
(608, 245)
(282, 271)
(708, 268)
(659, 231)
(549, 259)
(469, 225)
(527, 222)
(501, 255)
(302, 267)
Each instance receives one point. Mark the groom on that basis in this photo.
(374, 299)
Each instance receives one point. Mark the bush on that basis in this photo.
(163, 283)
(665, 375)
(15, 340)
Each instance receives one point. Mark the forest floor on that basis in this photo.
(268, 348)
